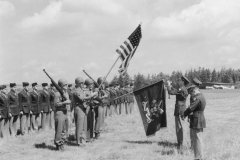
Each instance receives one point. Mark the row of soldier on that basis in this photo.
(86, 105)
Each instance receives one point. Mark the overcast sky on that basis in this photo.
(66, 36)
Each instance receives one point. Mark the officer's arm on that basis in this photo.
(184, 92)
(20, 102)
(191, 108)
(172, 91)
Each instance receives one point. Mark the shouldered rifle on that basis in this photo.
(59, 89)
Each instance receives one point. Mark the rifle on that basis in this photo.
(91, 78)
(59, 89)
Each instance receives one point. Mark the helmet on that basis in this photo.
(88, 81)
(79, 80)
(100, 80)
(62, 82)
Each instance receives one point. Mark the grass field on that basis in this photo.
(124, 137)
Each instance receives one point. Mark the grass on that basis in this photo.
(124, 137)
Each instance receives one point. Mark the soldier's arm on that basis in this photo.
(20, 102)
(172, 90)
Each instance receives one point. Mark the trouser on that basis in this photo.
(90, 123)
(103, 115)
(52, 121)
(35, 121)
(191, 138)
(13, 125)
(112, 110)
(117, 108)
(61, 126)
(98, 118)
(108, 112)
(122, 109)
(197, 143)
(45, 120)
(79, 115)
(24, 122)
(179, 130)
(131, 107)
(4, 128)
(127, 108)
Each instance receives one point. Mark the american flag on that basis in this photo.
(128, 48)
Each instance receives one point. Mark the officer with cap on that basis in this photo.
(52, 91)
(197, 120)
(46, 107)
(180, 106)
(25, 105)
(13, 109)
(131, 98)
(35, 108)
(4, 114)
(61, 114)
(79, 110)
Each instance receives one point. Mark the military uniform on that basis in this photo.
(118, 100)
(52, 94)
(24, 105)
(131, 99)
(36, 109)
(180, 106)
(127, 99)
(113, 101)
(105, 102)
(4, 112)
(46, 108)
(70, 107)
(13, 110)
(122, 101)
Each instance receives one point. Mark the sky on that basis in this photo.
(66, 36)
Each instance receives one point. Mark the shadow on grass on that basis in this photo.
(44, 146)
(167, 144)
(140, 142)
(163, 143)
(168, 152)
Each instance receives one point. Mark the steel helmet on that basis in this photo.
(62, 82)
(100, 80)
(88, 81)
(79, 80)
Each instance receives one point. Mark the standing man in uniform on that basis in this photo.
(107, 111)
(122, 100)
(104, 103)
(70, 109)
(197, 120)
(131, 98)
(127, 98)
(4, 113)
(180, 106)
(13, 109)
(52, 94)
(61, 115)
(45, 104)
(24, 104)
(79, 110)
(118, 100)
(35, 108)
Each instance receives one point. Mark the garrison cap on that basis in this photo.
(70, 85)
(185, 80)
(190, 88)
(3, 86)
(197, 82)
(12, 85)
(25, 84)
(44, 84)
(34, 84)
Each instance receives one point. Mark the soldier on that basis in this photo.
(70, 109)
(24, 105)
(79, 110)
(131, 99)
(180, 106)
(45, 105)
(61, 115)
(112, 101)
(4, 113)
(107, 111)
(122, 100)
(35, 108)
(52, 93)
(13, 109)
(118, 100)
(105, 102)
(127, 98)
(197, 120)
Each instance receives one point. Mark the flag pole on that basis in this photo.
(109, 72)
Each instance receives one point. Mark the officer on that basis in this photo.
(79, 110)
(61, 114)
(122, 100)
(35, 108)
(131, 98)
(180, 105)
(4, 114)
(127, 98)
(13, 109)
(46, 108)
(24, 105)
(197, 120)
(52, 90)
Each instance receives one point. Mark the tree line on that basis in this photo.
(203, 74)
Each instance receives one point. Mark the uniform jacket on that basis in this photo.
(77, 96)
(4, 108)
(127, 97)
(197, 107)
(131, 96)
(118, 93)
(105, 101)
(24, 101)
(121, 92)
(57, 99)
(13, 103)
(181, 96)
(70, 93)
(35, 102)
(45, 101)
(113, 95)
(52, 94)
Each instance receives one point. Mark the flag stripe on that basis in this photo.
(121, 55)
(128, 46)
(124, 50)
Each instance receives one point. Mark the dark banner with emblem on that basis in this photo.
(151, 101)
